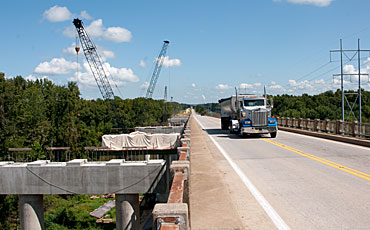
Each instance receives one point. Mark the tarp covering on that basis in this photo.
(141, 140)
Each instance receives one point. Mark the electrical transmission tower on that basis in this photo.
(157, 69)
(359, 74)
(94, 61)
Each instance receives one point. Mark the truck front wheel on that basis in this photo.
(273, 134)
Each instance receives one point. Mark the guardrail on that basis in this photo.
(175, 213)
(327, 126)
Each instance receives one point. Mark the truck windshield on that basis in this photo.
(255, 102)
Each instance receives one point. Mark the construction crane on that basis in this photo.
(157, 69)
(94, 61)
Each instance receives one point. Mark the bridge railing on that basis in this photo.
(327, 126)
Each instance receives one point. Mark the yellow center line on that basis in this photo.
(318, 159)
(322, 160)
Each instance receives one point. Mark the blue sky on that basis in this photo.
(214, 45)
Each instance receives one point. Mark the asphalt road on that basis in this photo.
(311, 183)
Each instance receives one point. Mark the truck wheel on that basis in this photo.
(273, 134)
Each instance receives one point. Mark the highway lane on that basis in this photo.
(310, 182)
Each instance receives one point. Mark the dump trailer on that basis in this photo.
(247, 114)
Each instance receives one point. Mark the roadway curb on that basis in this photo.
(350, 140)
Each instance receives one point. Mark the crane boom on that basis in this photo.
(157, 69)
(94, 61)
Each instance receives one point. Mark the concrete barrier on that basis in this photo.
(175, 213)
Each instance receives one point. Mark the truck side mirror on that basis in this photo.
(271, 103)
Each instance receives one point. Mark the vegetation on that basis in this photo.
(327, 105)
(39, 114)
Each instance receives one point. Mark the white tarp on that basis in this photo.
(141, 140)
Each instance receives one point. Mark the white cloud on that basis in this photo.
(70, 31)
(245, 86)
(96, 29)
(57, 14)
(257, 84)
(120, 75)
(350, 69)
(193, 85)
(167, 62)
(117, 34)
(145, 85)
(103, 52)
(223, 86)
(320, 3)
(85, 15)
(142, 63)
(57, 66)
(34, 78)
(275, 87)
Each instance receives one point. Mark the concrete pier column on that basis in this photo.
(127, 211)
(31, 212)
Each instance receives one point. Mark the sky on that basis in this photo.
(214, 47)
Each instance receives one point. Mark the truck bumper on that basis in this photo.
(259, 130)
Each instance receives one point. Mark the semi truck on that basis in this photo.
(248, 114)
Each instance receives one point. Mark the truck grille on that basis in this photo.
(259, 118)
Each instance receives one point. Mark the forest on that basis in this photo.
(40, 114)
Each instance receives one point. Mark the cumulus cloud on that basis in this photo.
(103, 52)
(57, 66)
(85, 15)
(245, 86)
(120, 75)
(145, 85)
(142, 63)
(223, 86)
(70, 31)
(167, 62)
(96, 29)
(320, 3)
(57, 14)
(34, 78)
(117, 34)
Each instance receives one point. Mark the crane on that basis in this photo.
(157, 69)
(94, 61)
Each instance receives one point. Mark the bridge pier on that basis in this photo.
(127, 211)
(31, 212)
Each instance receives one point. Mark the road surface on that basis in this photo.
(311, 183)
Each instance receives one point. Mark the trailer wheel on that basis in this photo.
(273, 134)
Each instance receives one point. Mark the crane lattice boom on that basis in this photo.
(157, 69)
(94, 61)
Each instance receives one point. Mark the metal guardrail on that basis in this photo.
(327, 126)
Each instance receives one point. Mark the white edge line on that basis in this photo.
(278, 221)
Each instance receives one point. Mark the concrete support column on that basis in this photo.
(127, 211)
(31, 212)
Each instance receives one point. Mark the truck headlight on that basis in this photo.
(247, 122)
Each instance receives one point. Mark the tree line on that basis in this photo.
(40, 114)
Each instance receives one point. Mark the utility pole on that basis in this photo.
(359, 74)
